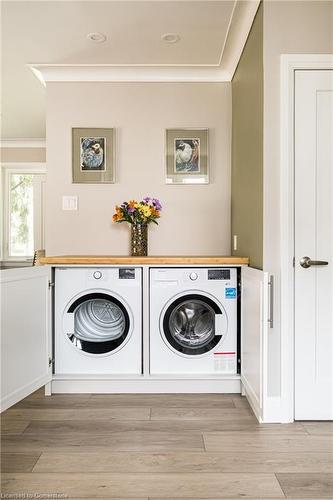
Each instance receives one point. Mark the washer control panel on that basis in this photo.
(219, 274)
(126, 273)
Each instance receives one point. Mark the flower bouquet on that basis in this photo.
(139, 215)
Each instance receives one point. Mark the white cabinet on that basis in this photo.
(26, 341)
(254, 331)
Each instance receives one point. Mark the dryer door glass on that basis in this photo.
(101, 323)
(189, 324)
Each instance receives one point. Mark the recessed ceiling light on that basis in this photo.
(96, 37)
(170, 37)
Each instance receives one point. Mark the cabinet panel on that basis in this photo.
(26, 344)
(253, 336)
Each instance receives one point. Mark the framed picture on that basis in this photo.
(93, 155)
(187, 156)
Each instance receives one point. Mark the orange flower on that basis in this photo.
(132, 203)
(118, 215)
(154, 212)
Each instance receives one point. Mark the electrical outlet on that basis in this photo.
(235, 241)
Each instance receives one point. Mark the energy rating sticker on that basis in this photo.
(230, 293)
(225, 362)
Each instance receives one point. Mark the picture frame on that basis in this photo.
(187, 156)
(93, 155)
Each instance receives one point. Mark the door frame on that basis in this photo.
(288, 65)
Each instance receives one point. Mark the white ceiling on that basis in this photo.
(55, 33)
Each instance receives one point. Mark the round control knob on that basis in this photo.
(97, 275)
(193, 276)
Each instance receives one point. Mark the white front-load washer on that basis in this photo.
(193, 321)
(98, 320)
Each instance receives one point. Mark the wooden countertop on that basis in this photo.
(121, 260)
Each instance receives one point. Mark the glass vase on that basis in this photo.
(139, 239)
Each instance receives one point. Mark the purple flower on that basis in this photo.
(131, 210)
(147, 199)
(157, 204)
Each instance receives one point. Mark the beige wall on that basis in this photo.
(289, 28)
(195, 220)
(247, 148)
(23, 155)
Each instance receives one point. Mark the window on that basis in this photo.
(23, 194)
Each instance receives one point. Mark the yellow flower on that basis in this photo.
(145, 210)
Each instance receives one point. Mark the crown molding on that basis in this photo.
(47, 73)
(110, 1)
(239, 27)
(238, 32)
(23, 143)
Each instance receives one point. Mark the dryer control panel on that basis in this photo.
(126, 276)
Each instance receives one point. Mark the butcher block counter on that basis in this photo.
(150, 260)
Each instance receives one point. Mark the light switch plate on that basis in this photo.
(69, 202)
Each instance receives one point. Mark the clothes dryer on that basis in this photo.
(98, 320)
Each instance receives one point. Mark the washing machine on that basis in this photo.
(193, 321)
(98, 320)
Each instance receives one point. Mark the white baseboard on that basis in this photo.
(251, 397)
(272, 411)
(16, 396)
(141, 385)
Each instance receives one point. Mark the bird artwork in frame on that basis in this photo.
(93, 151)
(187, 156)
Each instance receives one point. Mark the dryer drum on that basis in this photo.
(101, 323)
(98, 320)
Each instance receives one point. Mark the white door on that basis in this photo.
(26, 344)
(254, 326)
(313, 242)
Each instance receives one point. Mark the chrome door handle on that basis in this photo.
(307, 262)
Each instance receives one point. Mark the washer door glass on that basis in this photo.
(189, 324)
(101, 323)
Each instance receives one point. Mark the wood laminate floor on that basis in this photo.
(159, 446)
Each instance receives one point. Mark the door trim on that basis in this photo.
(288, 65)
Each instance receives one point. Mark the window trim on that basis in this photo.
(6, 170)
